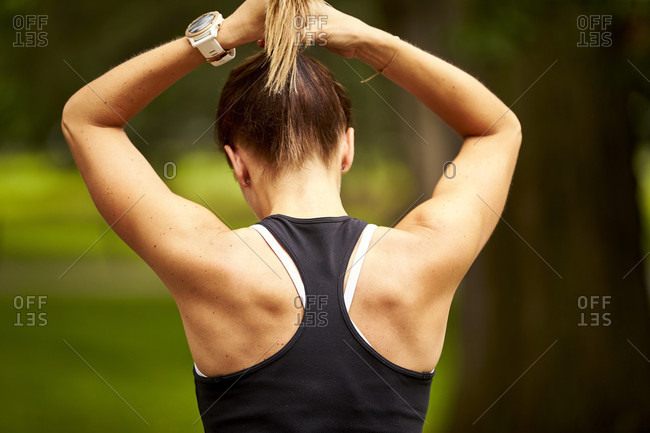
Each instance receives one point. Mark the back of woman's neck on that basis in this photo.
(308, 207)
(313, 192)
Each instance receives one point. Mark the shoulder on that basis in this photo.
(213, 259)
(424, 260)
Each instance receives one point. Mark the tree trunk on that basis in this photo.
(554, 319)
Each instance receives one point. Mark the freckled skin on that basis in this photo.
(234, 307)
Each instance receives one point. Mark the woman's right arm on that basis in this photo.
(464, 209)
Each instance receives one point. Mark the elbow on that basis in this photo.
(70, 119)
(512, 126)
(65, 121)
(517, 126)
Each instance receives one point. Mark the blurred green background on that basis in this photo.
(112, 355)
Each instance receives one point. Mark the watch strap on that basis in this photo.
(208, 45)
(223, 57)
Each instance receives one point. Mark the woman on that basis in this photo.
(317, 336)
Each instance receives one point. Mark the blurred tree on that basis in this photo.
(554, 313)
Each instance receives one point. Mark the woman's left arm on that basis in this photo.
(128, 193)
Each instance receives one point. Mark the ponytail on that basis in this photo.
(282, 40)
(283, 106)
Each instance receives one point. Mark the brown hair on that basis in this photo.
(281, 104)
(287, 128)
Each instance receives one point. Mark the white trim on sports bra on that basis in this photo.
(355, 271)
(357, 263)
(288, 264)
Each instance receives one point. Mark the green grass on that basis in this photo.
(136, 345)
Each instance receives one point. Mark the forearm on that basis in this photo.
(114, 98)
(456, 97)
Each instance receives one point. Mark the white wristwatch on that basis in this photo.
(202, 34)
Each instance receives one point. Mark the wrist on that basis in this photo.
(226, 36)
(377, 47)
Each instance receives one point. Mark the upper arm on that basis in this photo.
(160, 226)
(468, 200)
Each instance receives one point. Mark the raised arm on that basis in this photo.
(464, 209)
(159, 225)
(467, 201)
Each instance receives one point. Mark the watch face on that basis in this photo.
(200, 23)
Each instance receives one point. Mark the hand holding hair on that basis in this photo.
(272, 24)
